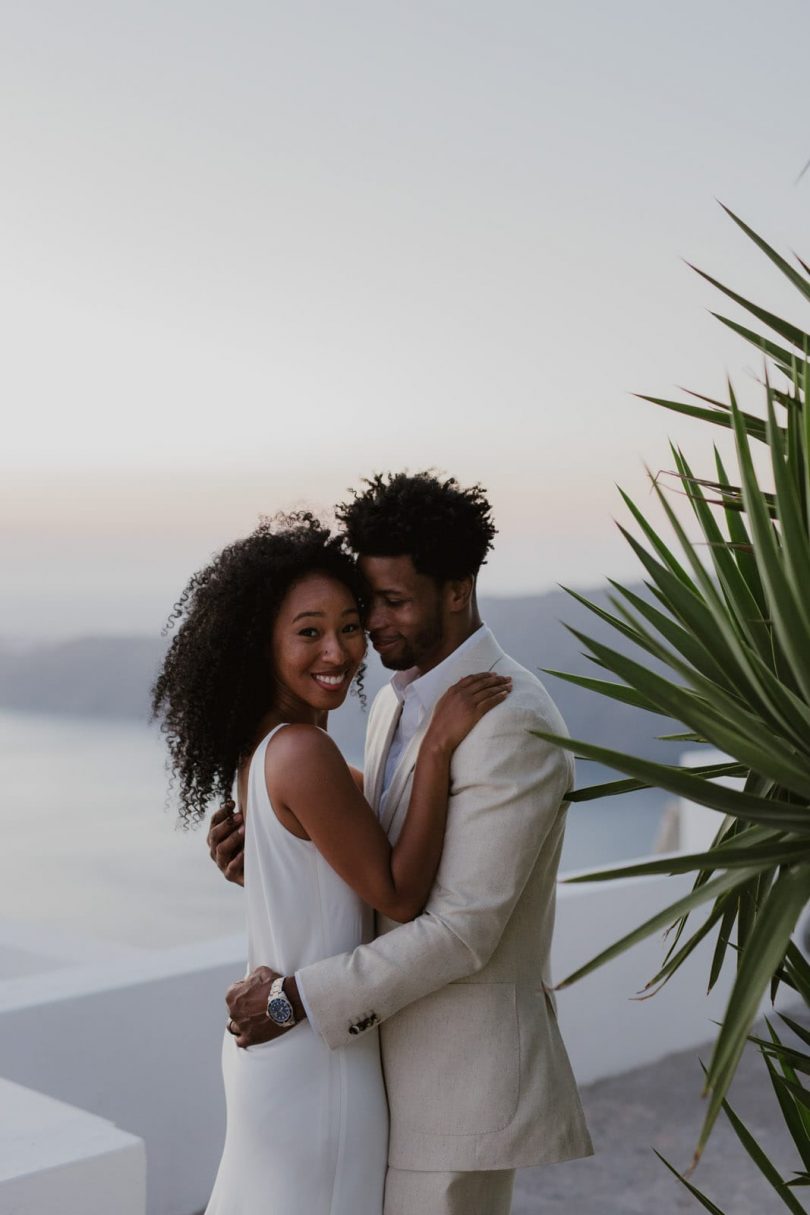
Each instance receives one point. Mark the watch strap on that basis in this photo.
(278, 1004)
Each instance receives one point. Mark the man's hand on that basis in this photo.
(247, 1004)
(226, 843)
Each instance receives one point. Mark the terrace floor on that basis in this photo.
(660, 1107)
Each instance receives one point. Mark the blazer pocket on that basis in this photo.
(452, 1060)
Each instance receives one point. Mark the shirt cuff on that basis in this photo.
(303, 997)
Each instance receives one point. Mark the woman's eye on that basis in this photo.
(308, 632)
(351, 628)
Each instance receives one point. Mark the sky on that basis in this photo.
(253, 252)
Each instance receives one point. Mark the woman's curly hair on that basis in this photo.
(216, 682)
(447, 531)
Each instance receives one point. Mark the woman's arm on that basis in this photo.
(308, 778)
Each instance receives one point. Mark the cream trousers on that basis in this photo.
(408, 1192)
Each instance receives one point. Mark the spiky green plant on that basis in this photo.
(733, 635)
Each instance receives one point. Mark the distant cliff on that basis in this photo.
(111, 676)
(90, 676)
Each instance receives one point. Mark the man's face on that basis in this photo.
(406, 619)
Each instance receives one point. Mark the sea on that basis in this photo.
(92, 847)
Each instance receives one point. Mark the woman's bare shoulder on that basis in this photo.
(300, 743)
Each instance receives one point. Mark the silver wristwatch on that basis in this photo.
(279, 1009)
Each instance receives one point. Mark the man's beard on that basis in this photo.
(413, 652)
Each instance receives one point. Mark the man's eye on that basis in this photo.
(394, 602)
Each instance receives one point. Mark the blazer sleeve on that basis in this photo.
(507, 790)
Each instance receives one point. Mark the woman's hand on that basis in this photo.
(462, 706)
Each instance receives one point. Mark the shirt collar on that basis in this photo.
(429, 687)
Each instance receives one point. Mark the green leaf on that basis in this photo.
(795, 973)
(685, 642)
(616, 691)
(788, 618)
(743, 548)
(711, 890)
(795, 1059)
(611, 788)
(805, 441)
(693, 1190)
(686, 604)
(706, 614)
(801, 1094)
(676, 957)
(615, 787)
(754, 425)
(722, 943)
(797, 337)
(760, 958)
(792, 275)
(775, 813)
(664, 552)
(780, 356)
(795, 1123)
(795, 546)
(708, 588)
(796, 1115)
(761, 1160)
(717, 858)
(752, 644)
(801, 1031)
(712, 713)
(738, 594)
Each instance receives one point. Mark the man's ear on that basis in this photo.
(459, 592)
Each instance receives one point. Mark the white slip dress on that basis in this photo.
(307, 1127)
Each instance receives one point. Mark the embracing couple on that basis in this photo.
(407, 1062)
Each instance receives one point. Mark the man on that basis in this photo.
(477, 1076)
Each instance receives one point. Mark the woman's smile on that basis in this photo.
(331, 680)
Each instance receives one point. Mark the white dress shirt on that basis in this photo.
(418, 695)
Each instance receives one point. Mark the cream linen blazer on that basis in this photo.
(475, 1068)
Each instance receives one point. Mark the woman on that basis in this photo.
(271, 639)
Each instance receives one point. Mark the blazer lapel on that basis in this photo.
(406, 765)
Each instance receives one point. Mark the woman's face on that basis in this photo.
(317, 644)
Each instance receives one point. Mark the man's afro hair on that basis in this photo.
(447, 531)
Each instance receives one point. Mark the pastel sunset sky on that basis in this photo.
(253, 251)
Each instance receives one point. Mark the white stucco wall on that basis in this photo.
(606, 1027)
(137, 1040)
(58, 1160)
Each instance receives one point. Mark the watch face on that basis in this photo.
(280, 1010)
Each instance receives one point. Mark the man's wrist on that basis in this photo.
(290, 989)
